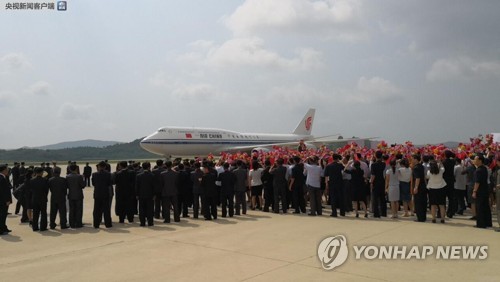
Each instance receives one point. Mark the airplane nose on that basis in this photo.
(149, 144)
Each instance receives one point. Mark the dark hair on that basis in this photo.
(449, 154)
(159, 162)
(72, 167)
(226, 165)
(180, 166)
(480, 157)
(280, 161)
(255, 165)
(433, 167)
(168, 164)
(337, 157)
(146, 165)
(57, 170)
(378, 154)
(405, 163)
(197, 165)
(123, 164)
(393, 165)
(267, 163)
(417, 157)
(296, 159)
(426, 158)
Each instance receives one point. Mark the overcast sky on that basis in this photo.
(426, 71)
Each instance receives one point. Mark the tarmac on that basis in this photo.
(258, 246)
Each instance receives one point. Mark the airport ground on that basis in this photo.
(258, 246)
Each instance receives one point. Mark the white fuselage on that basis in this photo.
(184, 141)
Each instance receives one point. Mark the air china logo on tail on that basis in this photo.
(308, 123)
(189, 136)
(333, 252)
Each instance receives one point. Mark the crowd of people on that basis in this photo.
(349, 179)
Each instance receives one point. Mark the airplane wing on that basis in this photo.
(332, 141)
(316, 142)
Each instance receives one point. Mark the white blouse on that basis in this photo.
(436, 181)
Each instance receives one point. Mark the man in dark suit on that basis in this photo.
(75, 197)
(449, 178)
(40, 189)
(170, 190)
(240, 187)
(157, 180)
(5, 198)
(185, 197)
(124, 192)
(209, 193)
(196, 176)
(144, 190)
(87, 173)
(101, 180)
(58, 187)
(279, 185)
(335, 185)
(228, 180)
(377, 186)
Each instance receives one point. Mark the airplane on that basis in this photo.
(192, 141)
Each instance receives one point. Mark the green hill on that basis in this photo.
(123, 151)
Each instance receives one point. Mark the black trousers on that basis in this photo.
(19, 204)
(289, 199)
(299, 202)
(58, 207)
(210, 206)
(125, 208)
(87, 180)
(196, 204)
(3, 217)
(347, 195)
(452, 200)
(184, 203)
(146, 211)
(337, 201)
(421, 206)
(101, 208)
(39, 214)
(268, 198)
(379, 203)
(75, 213)
(227, 202)
(280, 193)
(241, 202)
(167, 202)
(483, 211)
(158, 205)
(18, 207)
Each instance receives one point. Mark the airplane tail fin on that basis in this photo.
(305, 125)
